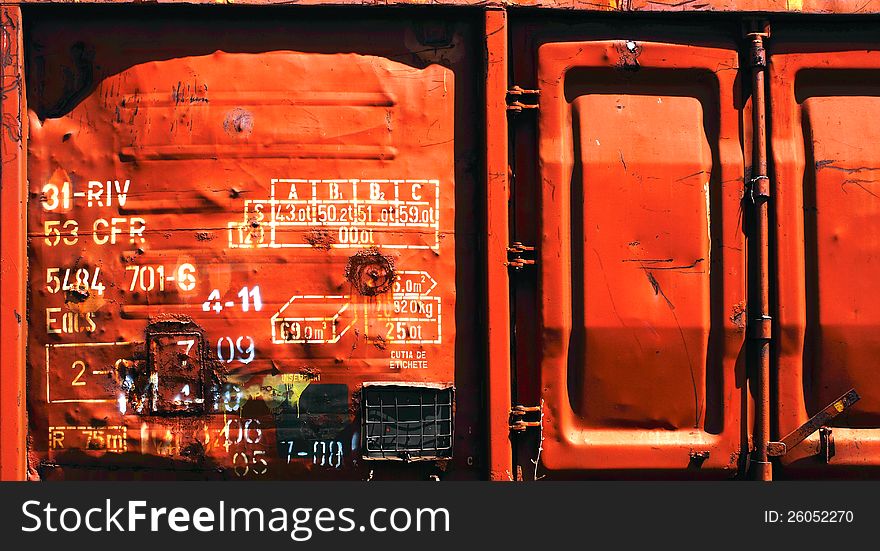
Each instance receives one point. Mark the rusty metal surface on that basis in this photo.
(824, 87)
(228, 236)
(758, 195)
(858, 7)
(13, 265)
(641, 256)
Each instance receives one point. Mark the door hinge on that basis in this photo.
(517, 415)
(515, 257)
(519, 99)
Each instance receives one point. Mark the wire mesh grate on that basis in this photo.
(407, 422)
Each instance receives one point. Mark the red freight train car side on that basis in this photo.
(463, 241)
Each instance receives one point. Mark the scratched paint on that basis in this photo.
(826, 177)
(244, 352)
(218, 264)
(638, 368)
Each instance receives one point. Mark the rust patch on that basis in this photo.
(738, 315)
(79, 299)
(696, 459)
(175, 375)
(239, 122)
(354, 407)
(194, 451)
(380, 342)
(370, 272)
(628, 55)
(205, 236)
(76, 295)
(255, 231)
(33, 460)
(320, 239)
(310, 372)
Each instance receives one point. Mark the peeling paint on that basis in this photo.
(370, 272)
(256, 246)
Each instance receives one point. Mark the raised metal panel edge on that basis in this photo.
(567, 447)
(853, 447)
(13, 266)
(498, 287)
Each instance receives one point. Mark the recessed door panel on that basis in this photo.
(641, 256)
(827, 180)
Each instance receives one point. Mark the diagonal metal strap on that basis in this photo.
(795, 437)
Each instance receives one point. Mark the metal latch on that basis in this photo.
(517, 414)
(519, 99)
(757, 30)
(816, 422)
(758, 189)
(515, 258)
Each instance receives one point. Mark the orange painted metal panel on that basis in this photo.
(13, 264)
(239, 244)
(230, 238)
(641, 256)
(824, 104)
(498, 236)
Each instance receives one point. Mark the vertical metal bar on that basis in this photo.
(760, 330)
(397, 425)
(381, 422)
(436, 418)
(13, 263)
(498, 239)
(422, 420)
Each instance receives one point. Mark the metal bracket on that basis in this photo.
(758, 53)
(826, 443)
(697, 458)
(759, 189)
(816, 422)
(757, 30)
(519, 98)
(761, 328)
(515, 258)
(517, 424)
